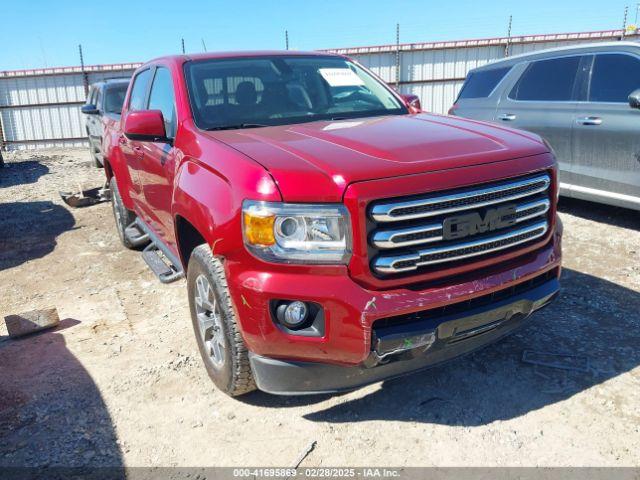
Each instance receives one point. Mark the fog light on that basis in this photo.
(294, 315)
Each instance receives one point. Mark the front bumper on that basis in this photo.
(436, 341)
(352, 312)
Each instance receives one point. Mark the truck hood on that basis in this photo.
(315, 162)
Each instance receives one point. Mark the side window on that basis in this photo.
(98, 98)
(92, 96)
(139, 90)
(547, 80)
(614, 77)
(481, 84)
(163, 99)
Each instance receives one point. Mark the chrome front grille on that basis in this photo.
(409, 234)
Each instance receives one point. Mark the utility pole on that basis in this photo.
(182, 39)
(85, 77)
(624, 23)
(397, 56)
(286, 39)
(506, 48)
(204, 46)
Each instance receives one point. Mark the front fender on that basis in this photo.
(212, 203)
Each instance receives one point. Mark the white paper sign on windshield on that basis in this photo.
(340, 77)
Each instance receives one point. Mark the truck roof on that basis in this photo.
(110, 81)
(241, 54)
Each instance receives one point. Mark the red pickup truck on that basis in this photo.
(331, 235)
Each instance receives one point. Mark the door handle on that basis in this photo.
(589, 120)
(507, 117)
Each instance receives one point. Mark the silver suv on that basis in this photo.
(584, 100)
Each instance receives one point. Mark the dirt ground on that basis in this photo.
(120, 382)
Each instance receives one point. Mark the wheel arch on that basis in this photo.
(188, 237)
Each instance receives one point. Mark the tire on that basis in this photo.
(122, 216)
(92, 152)
(223, 351)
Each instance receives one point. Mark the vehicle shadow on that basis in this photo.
(29, 230)
(598, 212)
(593, 319)
(51, 411)
(19, 173)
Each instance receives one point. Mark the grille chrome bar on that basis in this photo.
(458, 251)
(467, 200)
(386, 239)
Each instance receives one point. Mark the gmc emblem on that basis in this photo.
(462, 226)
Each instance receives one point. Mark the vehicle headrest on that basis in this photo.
(246, 94)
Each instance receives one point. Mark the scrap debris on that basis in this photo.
(304, 454)
(85, 198)
(31, 322)
(557, 360)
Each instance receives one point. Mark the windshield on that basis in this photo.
(115, 98)
(262, 91)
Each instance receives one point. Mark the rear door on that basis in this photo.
(93, 121)
(158, 159)
(606, 145)
(543, 100)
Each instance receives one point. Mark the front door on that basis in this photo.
(133, 149)
(159, 160)
(606, 142)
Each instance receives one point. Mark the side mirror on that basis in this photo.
(145, 126)
(634, 99)
(413, 102)
(89, 109)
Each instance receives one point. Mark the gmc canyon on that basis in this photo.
(331, 234)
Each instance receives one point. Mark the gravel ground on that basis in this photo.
(120, 381)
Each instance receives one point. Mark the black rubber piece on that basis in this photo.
(234, 377)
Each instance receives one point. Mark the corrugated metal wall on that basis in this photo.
(40, 108)
(436, 71)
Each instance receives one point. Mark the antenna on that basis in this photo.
(182, 45)
(85, 77)
(506, 48)
(397, 56)
(286, 39)
(204, 45)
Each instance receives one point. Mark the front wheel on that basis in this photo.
(223, 351)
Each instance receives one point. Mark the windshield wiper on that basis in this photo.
(237, 126)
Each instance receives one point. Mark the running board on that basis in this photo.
(162, 262)
(160, 265)
(136, 235)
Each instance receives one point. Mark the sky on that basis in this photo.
(46, 33)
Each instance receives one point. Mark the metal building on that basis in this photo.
(435, 71)
(40, 108)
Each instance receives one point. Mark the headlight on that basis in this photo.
(297, 233)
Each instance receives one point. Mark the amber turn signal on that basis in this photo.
(258, 229)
